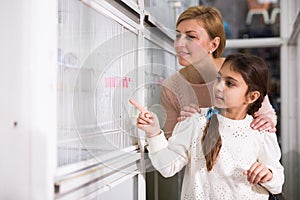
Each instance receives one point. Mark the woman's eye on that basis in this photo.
(177, 36)
(190, 37)
(218, 78)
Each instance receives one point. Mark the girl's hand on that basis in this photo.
(258, 173)
(263, 122)
(147, 121)
(188, 111)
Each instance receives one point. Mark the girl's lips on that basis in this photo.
(218, 98)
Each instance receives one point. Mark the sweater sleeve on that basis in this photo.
(170, 156)
(171, 106)
(267, 109)
(270, 156)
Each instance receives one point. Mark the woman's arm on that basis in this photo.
(172, 109)
(265, 118)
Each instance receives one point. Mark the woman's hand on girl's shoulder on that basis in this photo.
(188, 111)
(263, 123)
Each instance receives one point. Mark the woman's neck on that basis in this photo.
(192, 75)
(219, 62)
(202, 73)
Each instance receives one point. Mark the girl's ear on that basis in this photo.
(252, 97)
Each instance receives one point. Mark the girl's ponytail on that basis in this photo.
(211, 141)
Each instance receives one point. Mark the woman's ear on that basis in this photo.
(215, 43)
(252, 97)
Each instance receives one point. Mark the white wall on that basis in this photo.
(27, 117)
(290, 95)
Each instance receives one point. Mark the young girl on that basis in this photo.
(224, 157)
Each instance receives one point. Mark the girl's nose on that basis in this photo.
(219, 85)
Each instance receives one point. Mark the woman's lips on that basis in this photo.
(182, 53)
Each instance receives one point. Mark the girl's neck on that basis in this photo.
(234, 114)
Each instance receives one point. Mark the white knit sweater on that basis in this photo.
(241, 147)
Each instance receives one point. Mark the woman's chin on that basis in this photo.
(183, 62)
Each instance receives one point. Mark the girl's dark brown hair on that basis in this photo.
(255, 72)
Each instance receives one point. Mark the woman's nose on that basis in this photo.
(180, 41)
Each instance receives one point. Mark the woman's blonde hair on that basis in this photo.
(211, 20)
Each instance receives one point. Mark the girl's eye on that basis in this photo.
(218, 78)
(229, 83)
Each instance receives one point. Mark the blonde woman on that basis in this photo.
(199, 44)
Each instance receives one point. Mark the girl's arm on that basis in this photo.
(258, 173)
(170, 156)
(270, 156)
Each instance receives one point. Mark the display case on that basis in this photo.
(108, 53)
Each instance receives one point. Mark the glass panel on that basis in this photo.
(242, 19)
(171, 10)
(249, 18)
(160, 64)
(157, 65)
(93, 60)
